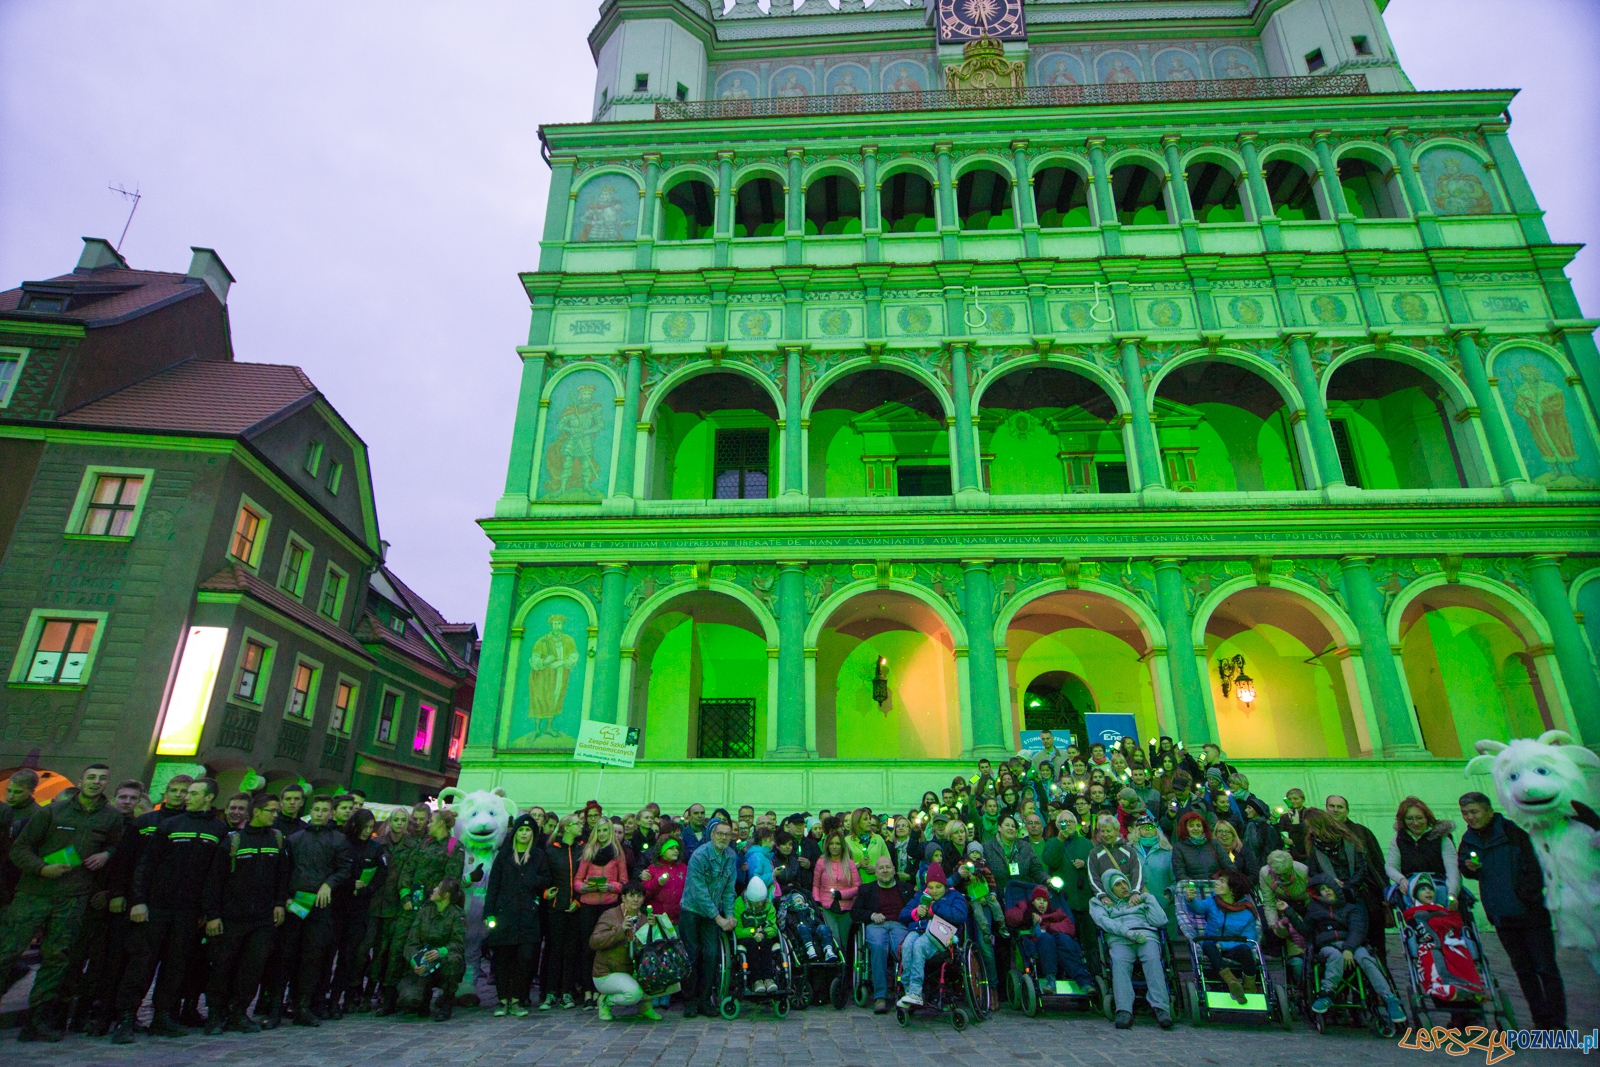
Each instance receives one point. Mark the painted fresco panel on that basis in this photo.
(848, 79)
(1118, 68)
(737, 85)
(1000, 317)
(1248, 311)
(1176, 65)
(1165, 313)
(590, 326)
(577, 439)
(755, 323)
(549, 675)
(1548, 418)
(1081, 315)
(1410, 307)
(835, 323)
(905, 76)
(913, 320)
(679, 325)
(1507, 304)
(1234, 63)
(1331, 309)
(1456, 183)
(607, 209)
(792, 81)
(1059, 68)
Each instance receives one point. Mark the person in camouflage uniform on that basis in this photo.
(439, 933)
(377, 948)
(431, 860)
(58, 853)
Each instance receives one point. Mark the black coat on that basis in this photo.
(513, 897)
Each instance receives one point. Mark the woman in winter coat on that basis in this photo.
(1225, 835)
(563, 954)
(1195, 856)
(1422, 844)
(520, 875)
(834, 885)
(1154, 852)
(664, 879)
(602, 871)
(1010, 857)
(1229, 915)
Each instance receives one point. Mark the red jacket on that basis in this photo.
(614, 872)
(1055, 921)
(665, 897)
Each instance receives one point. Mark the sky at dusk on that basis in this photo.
(370, 174)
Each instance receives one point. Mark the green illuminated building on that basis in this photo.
(1052, 367)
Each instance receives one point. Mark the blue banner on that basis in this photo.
(1033, 743)
(1108, 729)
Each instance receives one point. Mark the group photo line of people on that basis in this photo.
(1119, 880)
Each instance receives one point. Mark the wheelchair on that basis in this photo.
(818, 981)
(1206, 995)
(951, 983)
(734, 983)
(1029, 992)
(1141, 985)
(860, 966)
(1355, 1003)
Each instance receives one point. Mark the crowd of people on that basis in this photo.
(265, 908)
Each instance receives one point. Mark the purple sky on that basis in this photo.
(370, 173)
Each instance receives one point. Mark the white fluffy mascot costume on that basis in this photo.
(482, 821)
(1547, 787)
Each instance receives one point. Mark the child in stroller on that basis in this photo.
(807, 931)
(1446, 965)
(1046, 933)
(757, 935)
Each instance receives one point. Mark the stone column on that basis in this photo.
(553, 244)
(645, 247)
(1529, 215)
(1577, 671)
(1421, 210)
(1324, 452)
(949, 220)
(794, 455)
(492, 658)
(1502, 449)
(794, 222)
(1180, 193)
(966, 460)
(791, 661)
(988, 731)
(524, 436)
(628, 442)
(1188, 696)
(1147, 449)
(1260, 197)
(1105, 205)
(722, 228)
(608, 647)
(871, 200)
(1333, 190)
(1397, 727)
(1027, 210)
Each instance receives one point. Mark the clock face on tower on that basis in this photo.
(968, 20)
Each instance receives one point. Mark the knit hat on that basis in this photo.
(936, 874)
(755, 891)
(1420, 880)
(975, 848)
(525, 819)
(812, 823)
(1039, 893)
(1109, 880)
(1146, 819)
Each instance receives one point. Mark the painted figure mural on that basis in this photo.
(577, 455)
(1548, 422)
(551, 669)
(607, 210)
(550, 663)
(1057, 71)
(1119, 72)
(903, 78)
(1456, 183)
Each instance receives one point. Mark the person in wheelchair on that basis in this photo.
(936, 901)
(802, 923)
(1337, 931)
(877, 910)
(756, 932)
(1230, 918)
(1132, 923)
(1046, 935)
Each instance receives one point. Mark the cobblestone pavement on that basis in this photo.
(820, 1036)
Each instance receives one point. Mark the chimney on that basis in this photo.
(208, 267)
(99, 253)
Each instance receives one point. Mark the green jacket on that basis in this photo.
(444, 930)
(386, 901)
(429, 863)
(1057, 856)
(65, 832)
(765, 921)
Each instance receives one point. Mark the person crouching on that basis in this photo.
(436, 949)
(613, 934)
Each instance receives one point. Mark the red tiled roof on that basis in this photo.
(235, 579)
(415, 643)
(204, 396)
(147, 289)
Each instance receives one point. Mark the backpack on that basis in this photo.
(660, 964)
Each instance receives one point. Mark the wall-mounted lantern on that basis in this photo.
(1231, 670)
(880, 684)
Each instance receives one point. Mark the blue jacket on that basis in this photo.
(1236, 926)
(1510, 883)
(952, 908)
(691, 840)
(758, 864)
(708, 887)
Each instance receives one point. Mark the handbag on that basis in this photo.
(660, 961)
(941, 930)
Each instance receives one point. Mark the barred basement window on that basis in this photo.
(741, 465)
(1347, 452)
(727, 729)
(112, 507)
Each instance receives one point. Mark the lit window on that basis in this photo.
(423, 741)
(344, 698)
(251, 663)
(10, 371)
(62, 652)
(305, 677)
(335, 476)
(245, 532)
(458, 735)
(387, 714)
(313, 458)
(113, 505)
(332, 600)
(296, 561)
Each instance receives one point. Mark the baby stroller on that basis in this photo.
(818, 975)
(1206, 995)
(1445, 961)
(734, 985)
(1027, 990)
(950, 984)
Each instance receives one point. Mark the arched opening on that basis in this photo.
(1061, 198)
(758, 208)
(1588, 598)
(1391, 427)
(921, 717)
(1472, 677)
(715, 438)
(689, 211)
(878, 433)
(1136, 190)
(1214, 193)
(1293, 191)
(1047, 430)
(1075, 652)
(1369, 191)
(1224, 428)
(833, 205)
(1305, 704)
(906, 203)
(699, 687)
(983, 200)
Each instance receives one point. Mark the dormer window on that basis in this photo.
(46, 303)
(1363, 46)
(641, 83)
(398, 624)
(1314, 61)
(683, 92)
(313, 458)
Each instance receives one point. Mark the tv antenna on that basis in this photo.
(134, 196)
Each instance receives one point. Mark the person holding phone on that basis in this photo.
(602, 870)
